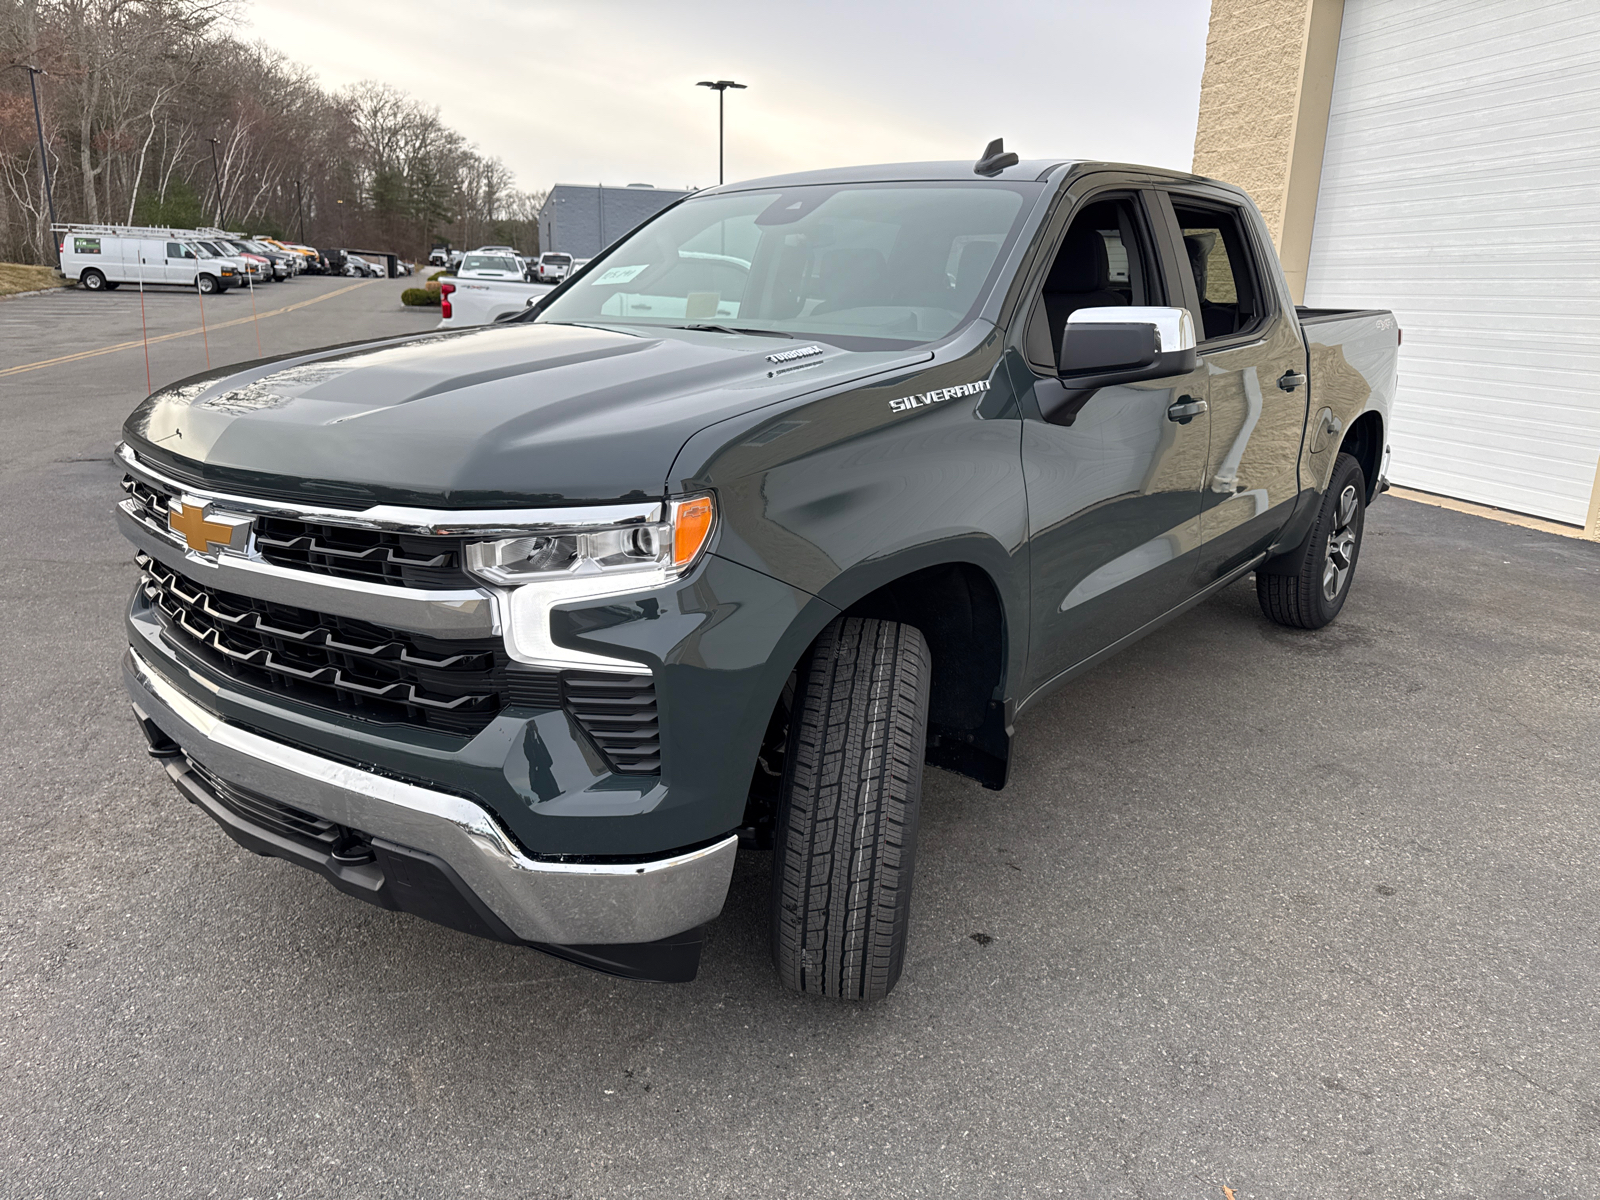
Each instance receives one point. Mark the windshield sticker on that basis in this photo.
(906, 403)
(622, 274)
(791, 355)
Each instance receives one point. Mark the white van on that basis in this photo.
(105, 257)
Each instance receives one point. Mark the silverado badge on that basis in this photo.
(906, 403)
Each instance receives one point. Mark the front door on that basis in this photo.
(1114, 497)
(1251, 347)
(180, 264)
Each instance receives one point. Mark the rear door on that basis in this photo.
(1114, 497)
(146, 260)
(1255, 359)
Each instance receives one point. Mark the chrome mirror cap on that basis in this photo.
(1174, 326)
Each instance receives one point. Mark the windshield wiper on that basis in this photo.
(730, 329)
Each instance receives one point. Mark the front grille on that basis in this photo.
(293, 824)
(355, 667)
(395, 677)
(373, 555)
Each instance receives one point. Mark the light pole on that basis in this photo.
(216, 175)
(720, 86)
(38, 124)
(341, 222)
(300, 201)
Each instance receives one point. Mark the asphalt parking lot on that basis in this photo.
(1295, 915)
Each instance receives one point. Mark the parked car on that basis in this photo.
(552, 267)
(479, 265)
(278, 266)
(439, 256)
(104, 257)
(256, 269)
(714, 546)
(354, 264)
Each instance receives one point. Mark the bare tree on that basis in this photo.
(137, 88)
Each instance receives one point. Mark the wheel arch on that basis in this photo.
(955, 598)
(1363, 441)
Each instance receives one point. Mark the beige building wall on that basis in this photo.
(1264, 112)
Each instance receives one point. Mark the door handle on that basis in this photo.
(1186, 409)
(1290, 380)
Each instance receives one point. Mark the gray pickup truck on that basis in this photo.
(805, 483)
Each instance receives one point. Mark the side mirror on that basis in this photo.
(1103, 347)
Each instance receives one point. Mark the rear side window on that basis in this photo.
(1225, 278)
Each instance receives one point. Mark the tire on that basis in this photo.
(207, 284)
(92, 280)
(1306, 587)
(844, 847)
(112, 285)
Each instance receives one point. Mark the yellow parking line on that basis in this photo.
(167, 337)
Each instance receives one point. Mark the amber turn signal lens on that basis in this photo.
(691, 527)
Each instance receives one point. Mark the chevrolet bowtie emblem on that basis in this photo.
(200, 534)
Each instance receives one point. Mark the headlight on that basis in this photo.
(661, 549)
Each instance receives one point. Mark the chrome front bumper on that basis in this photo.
(553, 903)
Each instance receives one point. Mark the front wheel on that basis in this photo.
(845, 843)
(207, 284)
(1307, 586)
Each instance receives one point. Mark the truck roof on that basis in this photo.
(1027, 170)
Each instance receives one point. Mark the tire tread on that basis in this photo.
(845, 849)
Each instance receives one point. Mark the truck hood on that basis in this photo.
(519, 414)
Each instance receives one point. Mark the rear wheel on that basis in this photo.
(1306, 587)
(845, 843)
(112, 285)
(92, 280)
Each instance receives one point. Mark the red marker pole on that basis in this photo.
(143, 327)
(255, 320)
(204, 336)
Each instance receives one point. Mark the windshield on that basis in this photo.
(556, 260)
(862, 264)
(485, 262)
(206, 250)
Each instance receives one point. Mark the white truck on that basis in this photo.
(103, 257)
(467, 302)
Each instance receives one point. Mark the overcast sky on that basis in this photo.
(603, 90)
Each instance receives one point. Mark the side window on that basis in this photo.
(1224, 273)
(1104, 261)
(174, 250)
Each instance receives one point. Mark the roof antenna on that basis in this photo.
(995, 159)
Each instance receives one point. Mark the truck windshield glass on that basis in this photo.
(484, 262)
(864, 264)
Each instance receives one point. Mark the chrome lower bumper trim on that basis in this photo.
(555, 903)
(459, 613)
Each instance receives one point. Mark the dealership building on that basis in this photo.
(1439, 159)
(581, 219)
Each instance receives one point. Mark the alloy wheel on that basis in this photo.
(1341, 545)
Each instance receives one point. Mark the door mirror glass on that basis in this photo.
(1105, 346)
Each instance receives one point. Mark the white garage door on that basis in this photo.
(1461, 187)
